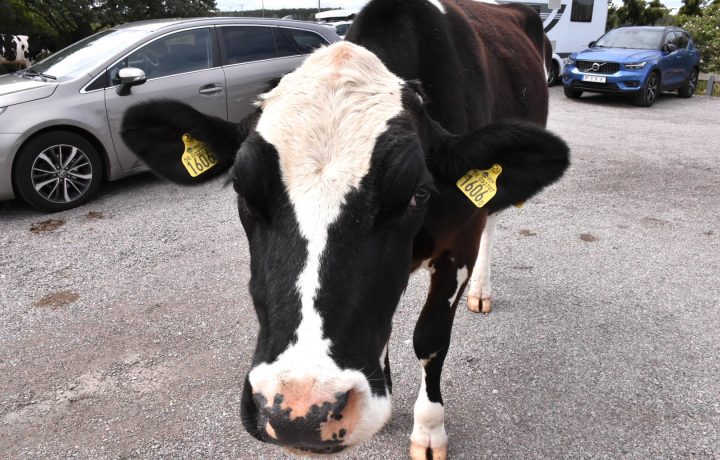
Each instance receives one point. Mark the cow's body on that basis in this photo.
(346, 182)
(18, 50)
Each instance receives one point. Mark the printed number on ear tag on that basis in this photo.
(197, 158)
(480, 185)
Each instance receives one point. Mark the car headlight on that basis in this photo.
(635, 65)
(569, 61)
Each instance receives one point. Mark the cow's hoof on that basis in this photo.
(478, 305)
(418, 452)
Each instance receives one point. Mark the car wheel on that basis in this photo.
(572, 93)
(649, 92)
(552, 74)
(57, 171)
(689, 89)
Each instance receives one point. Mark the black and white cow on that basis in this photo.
(360, 167)
(19, 50)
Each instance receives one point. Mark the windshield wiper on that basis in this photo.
(34, 73)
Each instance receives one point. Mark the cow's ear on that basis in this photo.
(180, 143)
(517, 158)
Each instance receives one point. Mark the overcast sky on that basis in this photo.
(238, 5)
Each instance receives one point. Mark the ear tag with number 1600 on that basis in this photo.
(197, 158)
(480, 185)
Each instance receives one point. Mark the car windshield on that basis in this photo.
(641, 39)
(79, 58)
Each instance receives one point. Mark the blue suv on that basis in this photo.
(639, 61)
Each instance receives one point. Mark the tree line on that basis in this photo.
(59, 23)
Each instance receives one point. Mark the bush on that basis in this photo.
(705, 30)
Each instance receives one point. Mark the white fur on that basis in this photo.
(324, 120)
(428, 420)
(461, 276)
(427, 265)
(480, 285)
(438, 5)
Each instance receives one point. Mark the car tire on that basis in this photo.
(572, 93)
(57, 170)
(552, 74)
(649, 92)
(689, 88)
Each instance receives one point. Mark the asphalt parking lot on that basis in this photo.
(126, 329)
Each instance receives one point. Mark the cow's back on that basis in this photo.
(478, 62)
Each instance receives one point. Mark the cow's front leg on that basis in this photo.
(431, 341)
(480, 292)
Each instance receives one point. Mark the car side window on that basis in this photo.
(301, 41)
(180, 52)
(247, 43)
(671, 39)
(682, 40)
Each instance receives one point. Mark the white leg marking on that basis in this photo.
(438, 5)
(480, 284)
(428, 266)
(462, 276)
(429, 420)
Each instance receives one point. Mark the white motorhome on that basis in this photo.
(569, 24)
(340, 19)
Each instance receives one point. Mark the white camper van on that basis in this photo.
(569, 24)
(340, 19)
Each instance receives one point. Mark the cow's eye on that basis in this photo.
(420, 197)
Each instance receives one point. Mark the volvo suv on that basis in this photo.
(640, 61)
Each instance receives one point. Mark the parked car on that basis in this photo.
(639, 61)
(60, 119)
(557, 65)
(341, 27)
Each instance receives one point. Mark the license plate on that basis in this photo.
(593, 78)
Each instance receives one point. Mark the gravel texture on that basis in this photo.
(126, 328)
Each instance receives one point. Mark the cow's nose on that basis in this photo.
(302, 415)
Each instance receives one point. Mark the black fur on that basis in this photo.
(154, 130)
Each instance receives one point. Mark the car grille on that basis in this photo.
(592, 85)
(602, 67)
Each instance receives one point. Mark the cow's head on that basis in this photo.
(336, 173)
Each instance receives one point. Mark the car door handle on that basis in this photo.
(211, 89)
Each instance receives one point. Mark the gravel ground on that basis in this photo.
(126, 328)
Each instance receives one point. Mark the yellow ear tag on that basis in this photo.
(520, 205)
(479, 185)
(197, 158)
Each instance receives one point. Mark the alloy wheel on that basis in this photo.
(61, 173)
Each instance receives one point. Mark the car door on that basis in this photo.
(182, 65)
(671, 65)
(254, 56)
(685, 66)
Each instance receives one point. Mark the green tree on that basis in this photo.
(639, 13)
(631, 12)
(654, 12)
(72, 20)
(691, 8)
(706, 35)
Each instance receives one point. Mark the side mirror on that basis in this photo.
(670, 47)
(129, 77)
(591, 44)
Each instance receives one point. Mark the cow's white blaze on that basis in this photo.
(324, 120)
(438, 5)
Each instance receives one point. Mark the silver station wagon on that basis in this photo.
(60, 119)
